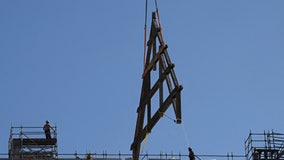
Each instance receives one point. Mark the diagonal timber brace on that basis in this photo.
(156, 59)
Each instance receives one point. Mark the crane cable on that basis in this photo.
(145, 27)
(159, 20)
(145, 33)
(145, 45)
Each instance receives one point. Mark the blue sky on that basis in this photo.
(79, 65)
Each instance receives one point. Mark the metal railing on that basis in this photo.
(146, 156)
(267, 145)
(31, 143)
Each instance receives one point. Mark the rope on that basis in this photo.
(170, 118)
(144, 142)
(185, 134)
(183, 127)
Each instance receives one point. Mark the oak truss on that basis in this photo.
(157, 57)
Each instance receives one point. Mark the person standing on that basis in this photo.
(46, 129)
(191, 154)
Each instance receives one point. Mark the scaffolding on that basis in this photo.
(265, 146)
(29, 143)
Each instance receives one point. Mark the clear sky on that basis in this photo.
(78, 64)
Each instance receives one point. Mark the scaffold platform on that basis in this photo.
(268, 145)
(30, 143)
(34, 141)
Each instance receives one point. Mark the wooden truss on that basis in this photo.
(166, 74)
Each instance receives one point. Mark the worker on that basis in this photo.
(191, 154)
(46, 129)
(256, 154)
(89, 156)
